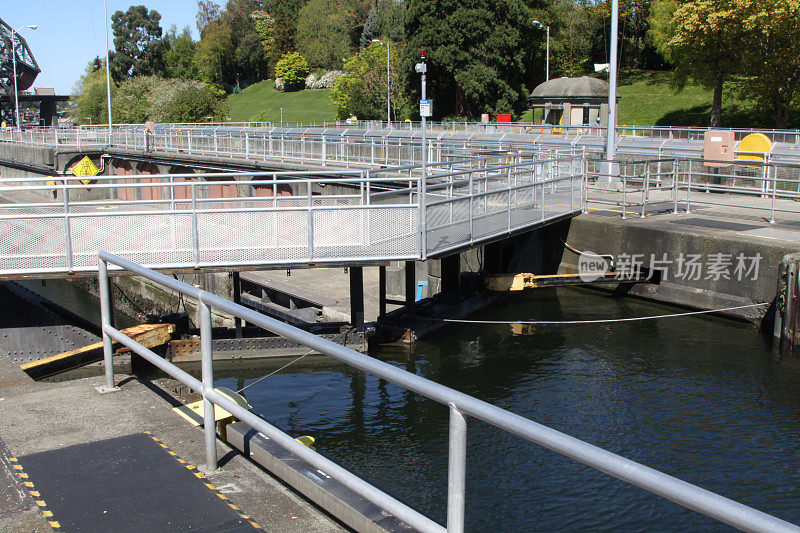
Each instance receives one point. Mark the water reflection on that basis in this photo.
(701, 398)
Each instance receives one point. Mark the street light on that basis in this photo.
(14, 61)
(547, 72)
(388, 102)
(108, 72)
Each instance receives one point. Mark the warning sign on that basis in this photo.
(85, 168)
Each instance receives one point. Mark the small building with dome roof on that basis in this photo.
(572, 101)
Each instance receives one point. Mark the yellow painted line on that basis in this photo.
(210, 486)
(34, 493)
(17, 467)
(28, 484)
(23, 475)
(255, 525)
(40, 503)
(47, 514)
(233, 507)
(12, 459)
(54, 524)
(222, 496)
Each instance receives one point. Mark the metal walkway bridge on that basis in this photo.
(56, 228)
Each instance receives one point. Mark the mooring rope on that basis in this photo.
(259, 380)
(598, 321)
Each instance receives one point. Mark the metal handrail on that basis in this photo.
(460, 404)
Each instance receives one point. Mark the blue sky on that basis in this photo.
(71, 32)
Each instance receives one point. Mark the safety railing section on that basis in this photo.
(181, 221)
(759, 184)
(636, 186)
(467, 206)
(212, 220)
(517, 128)
(461, 407)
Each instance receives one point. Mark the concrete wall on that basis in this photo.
(604, 235)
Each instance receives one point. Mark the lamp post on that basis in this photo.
(547, 71)
(14, 61)
(108, 71)
(388, 101)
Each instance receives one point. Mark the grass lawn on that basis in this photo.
(306, 105)
(646, 99)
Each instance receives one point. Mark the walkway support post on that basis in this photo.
(451, 278)
(357, 297)
(237, 299)
(411, 286)
(207, 369)
(106, 314)
(457, 471)
(381, 291)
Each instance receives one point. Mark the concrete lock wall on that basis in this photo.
(604, 235)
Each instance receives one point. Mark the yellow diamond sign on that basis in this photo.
(85, 168)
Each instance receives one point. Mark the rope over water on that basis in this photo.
(598, 321)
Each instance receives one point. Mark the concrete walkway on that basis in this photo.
(40, 417)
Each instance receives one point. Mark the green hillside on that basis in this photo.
(307, 105)
(646, 100)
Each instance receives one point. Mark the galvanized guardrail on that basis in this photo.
(745, 183)
(519, 128)
(460, 405)
(179, 221)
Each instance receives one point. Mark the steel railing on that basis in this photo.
(460, 405)
(181, 221)
(747, 184)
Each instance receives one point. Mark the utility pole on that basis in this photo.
(108, 70)
(611, 136)
(547, 53)
(424, 113)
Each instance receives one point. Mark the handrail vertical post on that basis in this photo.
(310, 222)
(67, 228)
(105, 320)
(774, 189)
(457, 471)
(207, 369)
(195, 230)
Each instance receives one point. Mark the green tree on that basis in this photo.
(138, 47)
(250, 62)
(362, 92)
(391, 20)
(769, 51)
(477, 54)
(179, 57)
(702, 39)
(214, 54)
(326, 31)
(293, 69)
(285, 13)
(571, 30)
(207, 12)
(165, 100)
(89, 94)
(131, 102)
(370, 30)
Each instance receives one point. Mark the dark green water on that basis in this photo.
(700, 398)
